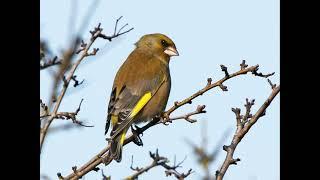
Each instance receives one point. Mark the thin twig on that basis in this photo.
(115, 33)
(160, 161)
(199, 110)
(50, 63)
(243, 70)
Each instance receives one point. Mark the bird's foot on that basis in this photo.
(107, 159)
(136, 135)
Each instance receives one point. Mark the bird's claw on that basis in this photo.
(136, 135)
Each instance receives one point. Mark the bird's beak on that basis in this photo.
(171, 51)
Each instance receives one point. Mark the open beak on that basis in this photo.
(171, 51)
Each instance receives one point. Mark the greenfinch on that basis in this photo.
(140, 89)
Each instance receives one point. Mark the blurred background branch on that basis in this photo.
(66, 65)
(206, 157)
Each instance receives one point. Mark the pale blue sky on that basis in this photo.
(207, 33)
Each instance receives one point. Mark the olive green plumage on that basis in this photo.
(140, 89)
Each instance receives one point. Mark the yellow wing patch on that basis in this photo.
(114, 119)
(141, 103)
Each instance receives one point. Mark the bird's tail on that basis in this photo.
(116, 146)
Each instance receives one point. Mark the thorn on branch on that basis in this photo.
(272, 85)
(223, 88)
(74, 169)
(96, 169)
(200, 108)
(76, 82)
(243, 65)
(83, 46)
(225, 70)
(94, 52)
(96, 32)
(176, 103)
(65, 82)
(60, 176)
(136, 135)
(247, 115)
(234, 161)
(249, 103)
(263, 113)
(255, 72)
(78, 109)
(237, 113)
(225, 148)
(209, 80)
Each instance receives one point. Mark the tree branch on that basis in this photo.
(159, 161)
(104, 157)
(96, 33)
(244, 70)
(50, 63)
(244, 123)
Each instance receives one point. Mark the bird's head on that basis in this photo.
(158, 44)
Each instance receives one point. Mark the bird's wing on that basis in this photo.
(129, 101)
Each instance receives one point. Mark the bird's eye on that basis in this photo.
(164, 43)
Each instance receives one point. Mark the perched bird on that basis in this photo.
(140, 89)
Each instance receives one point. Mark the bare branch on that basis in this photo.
(260, 74)
(96, 33)
(104, 157)
(115, 33)
(209, 86)
(49, 63)
(244, 123)
(160, 161)
(199, 110)
(70, 115)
